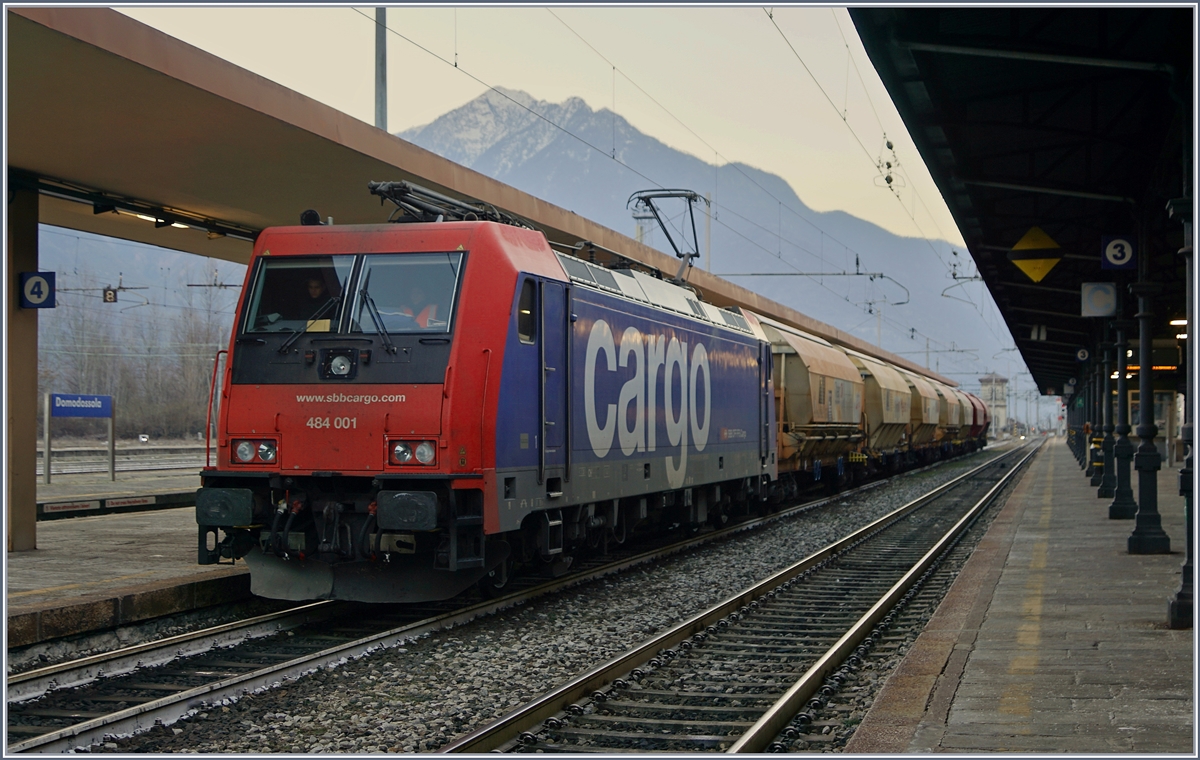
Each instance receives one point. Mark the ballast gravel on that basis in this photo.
(420, 695)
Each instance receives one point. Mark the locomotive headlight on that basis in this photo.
(266, 451)
(244, 451)
(402, 453)
(339, 365)
(425, 452)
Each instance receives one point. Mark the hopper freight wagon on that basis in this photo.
(844, 416)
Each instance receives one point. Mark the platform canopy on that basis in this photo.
(1055, 134)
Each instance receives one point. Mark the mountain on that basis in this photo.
(590, 162)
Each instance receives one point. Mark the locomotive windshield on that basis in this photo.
(410, 292)
(296, 293)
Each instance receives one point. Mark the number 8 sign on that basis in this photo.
(37, 290)
(1118, 252)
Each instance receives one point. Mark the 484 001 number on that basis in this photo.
(337, 423)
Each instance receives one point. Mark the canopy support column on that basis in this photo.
(21, 354)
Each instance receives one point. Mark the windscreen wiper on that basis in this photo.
(377, 319)
(307, 323)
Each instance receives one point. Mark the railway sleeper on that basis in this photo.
(635, 741)
(689, 697)
(677, 711)
(654, 725)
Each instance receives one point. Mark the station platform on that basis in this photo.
(97, 572)
(72, 495)
(1053, 638)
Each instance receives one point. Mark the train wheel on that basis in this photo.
(717, 517)
(497, 582)
(595, 536)
(555, 566)
(621, 530)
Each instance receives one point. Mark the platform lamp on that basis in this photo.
(1108, 478)
(1095, 453)
(1123, 506)
(1148, 536)
(1085, 431)
(1179, 610)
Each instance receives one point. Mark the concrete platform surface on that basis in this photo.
(91, 573)
(1053, 639)
(81, 494)
(96, 485)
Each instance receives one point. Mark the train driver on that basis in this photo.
(316, 291)
(418, 308)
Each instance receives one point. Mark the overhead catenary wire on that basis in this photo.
(624, 164)
(717, 155)
(845, 120)
(580, 139)
(505, 95)
(136, 354)
(916, 193)
(781, 204)
(778, 233)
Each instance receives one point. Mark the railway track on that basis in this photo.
(748, 674)
(60, 707)
(125, 463)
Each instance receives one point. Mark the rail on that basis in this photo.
(30, 685)
(520, 729)
(224, 644)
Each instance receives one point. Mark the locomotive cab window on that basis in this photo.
(412, 292)
(298, 292)
(526, 318)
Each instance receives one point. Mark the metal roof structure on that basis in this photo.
(1074, 120)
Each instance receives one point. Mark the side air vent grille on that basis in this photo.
(736, 321)
(638, 286)
(576, 269)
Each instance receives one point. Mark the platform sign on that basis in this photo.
(71, 506)
(1099, 299)
(37, 290)
(77, 405)
(1118, 252)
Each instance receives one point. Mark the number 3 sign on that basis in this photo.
(1118, 252)
(37, 290)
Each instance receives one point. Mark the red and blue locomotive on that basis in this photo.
(411, 409)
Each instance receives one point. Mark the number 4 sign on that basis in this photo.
(37, 290)
(1118, 252)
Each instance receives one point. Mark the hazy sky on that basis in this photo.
(727, 83)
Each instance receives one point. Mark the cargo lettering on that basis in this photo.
(632, 420)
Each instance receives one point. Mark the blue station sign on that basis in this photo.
(78, 405)
(1118, 252)
(37, 290)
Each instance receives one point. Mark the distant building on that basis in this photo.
(993, 389)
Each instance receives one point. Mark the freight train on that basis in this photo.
(408, 410)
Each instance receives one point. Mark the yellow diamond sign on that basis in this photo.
(1035, 254)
